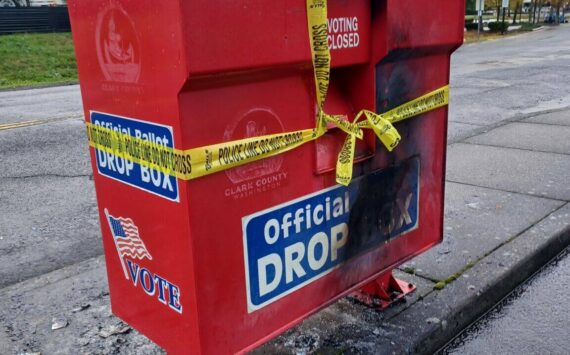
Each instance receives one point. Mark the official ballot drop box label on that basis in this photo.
(131, 173)
(291, 245)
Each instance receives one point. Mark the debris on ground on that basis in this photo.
(81, 308)
(433, 320)
(58, 323)
(113, 330)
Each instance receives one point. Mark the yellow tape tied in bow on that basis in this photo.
(197, 162)
(380, 124)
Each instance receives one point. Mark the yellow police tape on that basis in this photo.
(197, 162)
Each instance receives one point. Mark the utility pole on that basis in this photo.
(479, 8)
(503, 28)
(505, 6)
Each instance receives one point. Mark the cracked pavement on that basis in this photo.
(48, 211)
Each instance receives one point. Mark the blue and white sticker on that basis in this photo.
(291, 245)
(131, 173)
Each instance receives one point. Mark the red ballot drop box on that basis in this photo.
(224, 262)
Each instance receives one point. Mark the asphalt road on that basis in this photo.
(495, 81)
(47, 201)
(48, 210)
(533, 320)
(40, 104)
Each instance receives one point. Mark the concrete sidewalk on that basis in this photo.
(507, 214)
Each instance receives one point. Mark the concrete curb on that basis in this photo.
(40, 86)
(518, 34)
(494, 278)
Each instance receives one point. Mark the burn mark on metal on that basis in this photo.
(386, 207)
(395, 81)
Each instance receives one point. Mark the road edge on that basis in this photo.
(461, 303)
(40, 86)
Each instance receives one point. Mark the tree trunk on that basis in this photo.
(502, 27)
(515, 14)
(498, 12)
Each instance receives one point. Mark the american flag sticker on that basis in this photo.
(127, 240)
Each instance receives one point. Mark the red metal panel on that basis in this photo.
(193, 73)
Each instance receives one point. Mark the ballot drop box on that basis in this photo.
(255, 161)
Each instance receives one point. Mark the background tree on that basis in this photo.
(498, 4)
(558, 6)
(516, 10)
(541, 4)
(470, 7)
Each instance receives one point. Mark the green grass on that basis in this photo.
(530, 26)
(473, 17)
(442, 283)
(35, 59)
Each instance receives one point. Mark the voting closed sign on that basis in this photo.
(291, 245)
(129, 172)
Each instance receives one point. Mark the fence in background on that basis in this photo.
(34, 19)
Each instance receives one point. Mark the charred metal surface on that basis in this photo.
(384, 207)
(395, 81)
